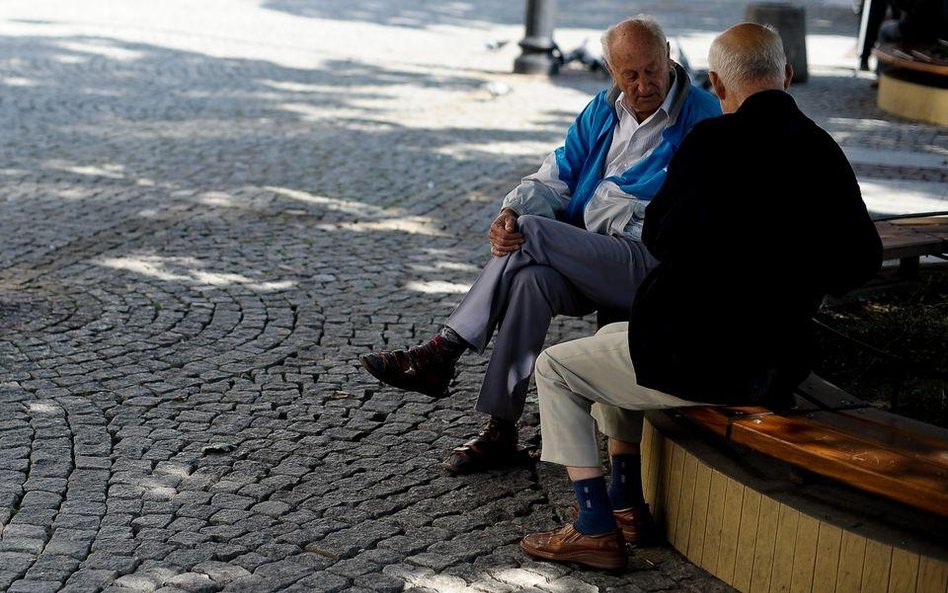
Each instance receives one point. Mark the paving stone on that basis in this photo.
(58, 545)
(193, 582)
(15, 562)
(27, 531)
(50, 567)
(221, 572)
(283, 573)
(109, 561)
(323, 583)
(29, 586)
(90, 579)
(22, 544)
(190, 556)
(154, 550)
(379, 582)
(135, 583)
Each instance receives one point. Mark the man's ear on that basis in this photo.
(788, 76)
(717, 85)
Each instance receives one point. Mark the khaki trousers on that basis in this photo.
(590, 380)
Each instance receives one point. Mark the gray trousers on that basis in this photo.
(559, 270)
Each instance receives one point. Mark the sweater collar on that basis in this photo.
(765, 102)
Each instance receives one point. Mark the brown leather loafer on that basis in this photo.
(606, 551)
(419, 368)
(495, 446)
(637, 525)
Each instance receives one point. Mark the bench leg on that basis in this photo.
(908, 267)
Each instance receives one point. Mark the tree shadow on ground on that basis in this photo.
(688, 16)
(93, 112)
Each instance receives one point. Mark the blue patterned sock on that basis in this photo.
(595, 512)
(625, 487)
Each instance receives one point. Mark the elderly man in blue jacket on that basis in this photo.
(567, 240)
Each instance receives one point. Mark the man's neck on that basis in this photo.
(641, 116)
(744, 92)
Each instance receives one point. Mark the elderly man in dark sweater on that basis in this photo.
(760, 217)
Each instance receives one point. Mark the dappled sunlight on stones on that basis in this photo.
(44, 409)
(216, 198)
(390, 219)
(187, 270)
(437, 287)
(102, 47)
(18, 81)
(111, 171)
(546, 577)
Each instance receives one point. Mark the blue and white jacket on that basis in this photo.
(570, 186)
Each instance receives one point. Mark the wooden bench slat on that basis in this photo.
(826, 395)
(927, 449)
(839, 455)
(902, 240)
(833, 453)
(894, 55)
(857, 416)
(913, 428)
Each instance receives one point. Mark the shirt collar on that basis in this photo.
(666, 105)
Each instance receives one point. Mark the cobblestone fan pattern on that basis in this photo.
(207, 213)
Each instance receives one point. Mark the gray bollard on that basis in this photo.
(537, 44)
(790, 22)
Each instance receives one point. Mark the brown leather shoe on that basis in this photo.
(606, 551)
(637, 525)
(427, 368)
(495, 446)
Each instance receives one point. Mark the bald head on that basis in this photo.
(745, 59)
(639, 30)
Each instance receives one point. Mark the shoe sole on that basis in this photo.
(521, 457)
(584, 558)
(639, 539)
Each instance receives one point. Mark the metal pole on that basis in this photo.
(537, 45)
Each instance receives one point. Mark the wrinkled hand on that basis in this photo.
(503, 235)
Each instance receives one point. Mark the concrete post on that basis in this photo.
(537, 45)
(790, 22)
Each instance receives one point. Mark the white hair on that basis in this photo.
(643, 23)
(737, 63)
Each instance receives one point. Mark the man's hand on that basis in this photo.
(503, 234)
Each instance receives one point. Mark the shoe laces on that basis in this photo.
(435, 350)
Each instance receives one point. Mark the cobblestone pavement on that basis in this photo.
(208, 210)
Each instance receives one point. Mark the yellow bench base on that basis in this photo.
(753, 524)
(913, 101)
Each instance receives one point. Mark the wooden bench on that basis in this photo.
(836, 435)
(913, 83)
(833, 496)
(908, 238)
